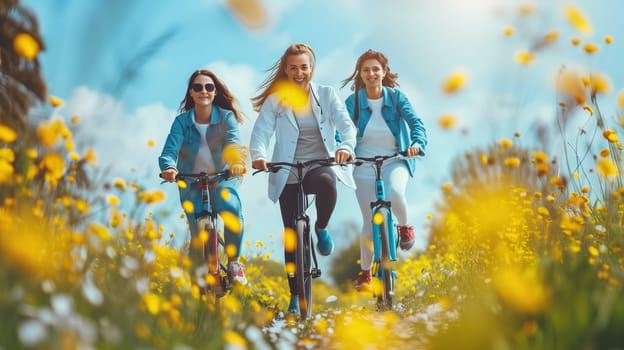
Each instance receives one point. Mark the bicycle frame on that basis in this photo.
(305, 253)
(217, 283)
(384, 239)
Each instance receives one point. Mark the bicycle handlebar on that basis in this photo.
(360, 160)
(211, 178)
(276, 166)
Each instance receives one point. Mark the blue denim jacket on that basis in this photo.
(407, 128)
(180, 149)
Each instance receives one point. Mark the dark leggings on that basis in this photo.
(322, 183)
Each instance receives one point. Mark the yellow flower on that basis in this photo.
(447, 187)
(539, 157)
(120, 183)
(522, 290)
(599, 84)
(231, 222)
(188, 207)
(512, 162)
(590, 48)
(151, 143)
(577, 19)
(543, 211)
(181, 184)
(621, 99)
(74, 156)
(524, 57)
(505, 143)
(605, 152)
(593, 251)
(589, 109)
(55, 101)
(606, 168)
(290, 240)
(6, 171)
(26, 46)
(112, 200)
(610, 135)
(234, 340)
(508, 31)
(290, 94)
(608, 39)
(447, 121)
(7, 135)
(90, 156)
(575, 41)
(152, 302)
(455, 81)
(551, 36)
(53, 166)
(75, 120)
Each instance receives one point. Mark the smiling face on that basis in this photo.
(299, 69)
(202, 97)
(372, 73)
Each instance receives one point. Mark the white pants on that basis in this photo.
(395, 176)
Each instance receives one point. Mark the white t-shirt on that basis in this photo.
(204, 161)
(377, 139)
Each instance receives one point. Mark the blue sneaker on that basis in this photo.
(293, 308)
(325, 243)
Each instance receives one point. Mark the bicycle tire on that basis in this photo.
(211, 257)
(384, 299)
(302, 270)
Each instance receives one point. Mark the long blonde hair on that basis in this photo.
(278, 72)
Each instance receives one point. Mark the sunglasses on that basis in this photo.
(198, 87)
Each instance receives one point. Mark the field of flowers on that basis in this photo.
(526, 250)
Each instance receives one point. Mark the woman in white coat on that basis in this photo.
(304, 130)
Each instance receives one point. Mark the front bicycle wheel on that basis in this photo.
(303, 276)
(215, 280)
(384, 299)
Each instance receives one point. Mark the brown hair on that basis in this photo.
(390, 80)
(223, 98)
(278, 72)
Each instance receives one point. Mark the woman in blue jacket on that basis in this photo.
(203, 138)
(303, 130)
(386, 124)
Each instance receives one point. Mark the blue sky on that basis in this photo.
(91, 62)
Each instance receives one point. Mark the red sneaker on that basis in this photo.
(363, 283)
(406, 236)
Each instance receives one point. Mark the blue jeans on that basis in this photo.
(223, 198)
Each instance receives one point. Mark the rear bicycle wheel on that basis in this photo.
(384, 299)
(303, 276)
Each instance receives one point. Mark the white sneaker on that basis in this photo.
(236, 273)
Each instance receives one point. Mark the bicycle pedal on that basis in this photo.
(315, 273)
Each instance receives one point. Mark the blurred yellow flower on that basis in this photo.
(231, 250)
(188, 207)
(53, 166)
(151, 143)
(455, 81)
(543, 211)
(290, 94)
(610, 135)
(608, 39)
(290, 240)
(577, 19)
(152, 303)
(620, 100)
(447, 121)
(524, 57)
(7, 135)
(378, 218)
(539, 157)
(505, 143)
(605, 152)
(181, 184)
(112, 200)
(234, 340)
(589, 109)
(590, 48)
(599, 84)
(575, 41)
(152, 196)
(55, 101)
(6, 172)
(252, 13)
(32, 153)
(512, 162)
(526, 9)
(120, 183)
(606, 168)
(90, 156)
(26, 46)
(74, 120)
(508, 31)
(551, 36)
(571, 85)
(593, 251)
(447, 187)
(522, 290)
(231, 222)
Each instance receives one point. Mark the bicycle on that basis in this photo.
(215, 282)
(384, 241)
(305, 254)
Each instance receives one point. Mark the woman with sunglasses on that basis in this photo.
(304, 117)
(386, 124)
(204, 137)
